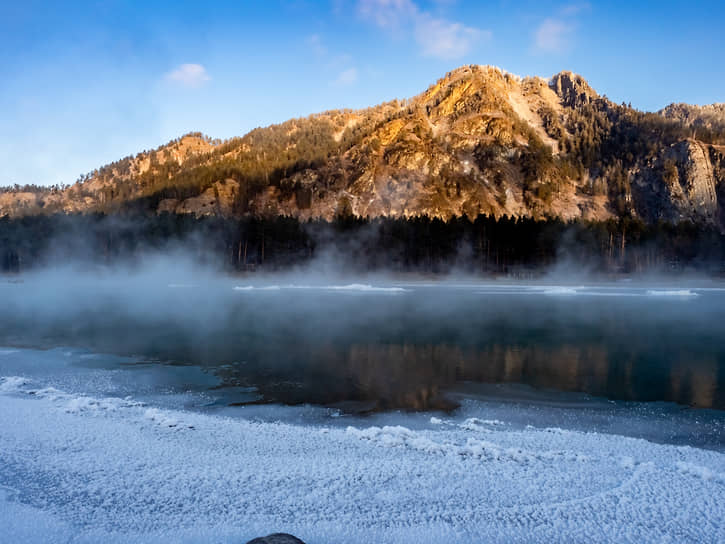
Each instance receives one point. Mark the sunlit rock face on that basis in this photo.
(478, 141)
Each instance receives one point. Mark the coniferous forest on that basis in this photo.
(485, 245)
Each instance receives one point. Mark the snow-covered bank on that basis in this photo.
(76, 468)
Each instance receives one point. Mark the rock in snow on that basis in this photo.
(276, 538)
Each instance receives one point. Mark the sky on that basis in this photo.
(85, 83)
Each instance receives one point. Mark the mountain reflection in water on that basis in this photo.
(415, 377)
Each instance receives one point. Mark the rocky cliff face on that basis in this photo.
(681, 184)
(479, 140)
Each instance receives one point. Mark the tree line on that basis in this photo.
(484, 245)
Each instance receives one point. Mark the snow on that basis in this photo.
(476, 424)
(12, 383)
(79, 468)
(700, 472)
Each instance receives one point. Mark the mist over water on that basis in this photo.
(382, 343)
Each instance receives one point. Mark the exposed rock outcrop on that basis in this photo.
(573, 89)
(681, 184)
(218, 199)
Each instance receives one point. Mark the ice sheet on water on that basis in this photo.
(115, 470)
(672, 293)
(559, 290)
(594, 290)
(365, 288)
(352, 287)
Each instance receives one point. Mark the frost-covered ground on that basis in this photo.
(78, 467)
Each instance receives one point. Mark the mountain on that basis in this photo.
(703, 120)
(478, 141)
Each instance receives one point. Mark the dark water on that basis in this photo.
(398, 347)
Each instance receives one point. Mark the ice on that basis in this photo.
(12, 383)
(627, 462)
(70, 403)
(398, 436)
(85, 468)
(164, 418)
(671, 293)
(90, 404)
(559, 290)
(700, 472)
(597, 290)
(352, 287)
(476, 424)
(365, 287)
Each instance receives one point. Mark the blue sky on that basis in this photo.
(85, 83)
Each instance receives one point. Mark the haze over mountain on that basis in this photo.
(478, 141)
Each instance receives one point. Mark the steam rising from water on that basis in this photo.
(382, 342)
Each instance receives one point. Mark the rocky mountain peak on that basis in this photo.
(573, 89)
(703, 119)
(479, 140)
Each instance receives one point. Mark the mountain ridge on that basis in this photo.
(479, 140)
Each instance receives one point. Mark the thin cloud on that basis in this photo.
(315, 43)
(435, 36)
(552, 36)
(574, 9)
(388, 13)
(555, 33)
(189, 75)
(443, 39)
(346, 77)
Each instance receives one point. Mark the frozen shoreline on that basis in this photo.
(76, 468)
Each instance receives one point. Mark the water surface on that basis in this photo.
(377, 346)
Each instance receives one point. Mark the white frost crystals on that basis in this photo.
(68, 402)
(11, 384)
(397, 436)
(82, 469)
